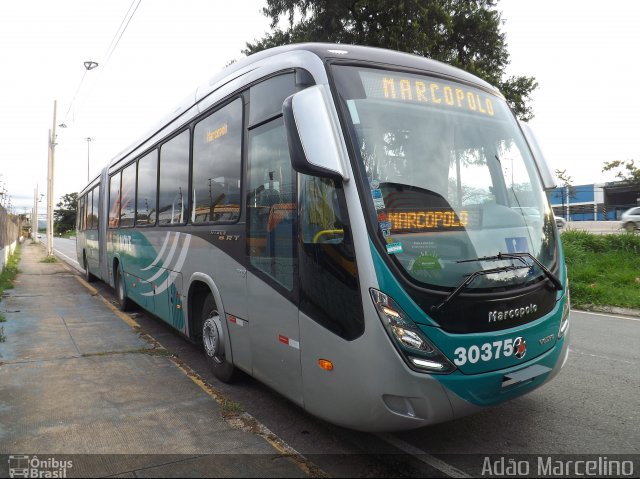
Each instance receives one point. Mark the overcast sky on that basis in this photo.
(583, 54)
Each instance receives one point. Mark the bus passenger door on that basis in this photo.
(271, 250)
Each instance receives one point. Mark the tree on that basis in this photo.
(64, 217)
(567, 190)
(628, 171)
(463, 33)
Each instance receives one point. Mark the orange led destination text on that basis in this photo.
(410, 89)
(417, 220)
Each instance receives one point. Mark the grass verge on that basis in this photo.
(6, 282)
(10, 271)
(604, 270)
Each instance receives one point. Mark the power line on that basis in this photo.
(120, 32)
(108, 53)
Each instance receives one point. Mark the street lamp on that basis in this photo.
(89, 140)
(90, 65)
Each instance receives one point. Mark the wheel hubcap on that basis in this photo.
(211, 339)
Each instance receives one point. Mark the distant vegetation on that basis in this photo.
(604, 270)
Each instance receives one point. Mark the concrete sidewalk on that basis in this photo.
(77, 379)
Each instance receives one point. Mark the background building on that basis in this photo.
(594, 202)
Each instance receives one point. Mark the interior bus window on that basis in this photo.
(174, 180)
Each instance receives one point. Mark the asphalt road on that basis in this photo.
(591, 408)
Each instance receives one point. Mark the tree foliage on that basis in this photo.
(567, 184)
(627, 170)
(463, 33)
(64, 216)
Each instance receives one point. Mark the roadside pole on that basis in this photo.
(52, 150)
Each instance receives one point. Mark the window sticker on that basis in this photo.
(394, 248)
(517, 244)
(378, 203)
(426, 261)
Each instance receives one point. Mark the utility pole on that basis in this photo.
(35, 214)
(89, 140)
(52, 151)
(568, 202)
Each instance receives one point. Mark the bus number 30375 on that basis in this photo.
(486, 352)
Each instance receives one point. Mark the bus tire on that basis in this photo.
(88, 277)
(213, 342)
(124, 303)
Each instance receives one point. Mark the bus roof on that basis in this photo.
(326, 52)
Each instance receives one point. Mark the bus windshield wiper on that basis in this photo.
(483, 272)
(521, 257)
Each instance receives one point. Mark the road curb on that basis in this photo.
(594, 308)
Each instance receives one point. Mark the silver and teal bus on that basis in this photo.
(365, 231)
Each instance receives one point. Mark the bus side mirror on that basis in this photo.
(548, 178)
(316, 145)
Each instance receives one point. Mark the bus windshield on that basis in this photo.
(450, 178)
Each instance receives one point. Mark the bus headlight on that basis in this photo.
(419, 353)
(566, 311)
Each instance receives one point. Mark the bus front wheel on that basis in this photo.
(213, 342)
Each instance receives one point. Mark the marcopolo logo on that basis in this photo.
(27, 466)
(521, 312)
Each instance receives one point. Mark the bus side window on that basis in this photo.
(128, 202)
(81, 203)
(147, 189)
(174, 180)
(271, 203)
(88, 206)
(217, 153)
(95, 209)
(319, 211)
(329, 289)
(114, 201)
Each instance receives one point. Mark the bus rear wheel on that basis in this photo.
(213, 342)
(124, 303)
(89, 278)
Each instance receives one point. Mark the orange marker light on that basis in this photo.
(325, 364)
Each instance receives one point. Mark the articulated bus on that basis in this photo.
(365, 231)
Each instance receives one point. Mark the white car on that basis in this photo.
(560, 221)
(631, 219)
